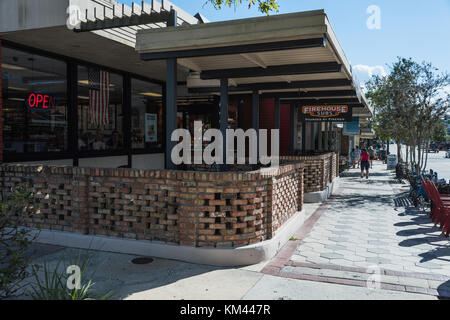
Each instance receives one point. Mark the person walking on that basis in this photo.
(372, 156)
(358, 155)
(365, 164)
(352, 157)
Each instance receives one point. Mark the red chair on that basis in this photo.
(434, 208)
(441, 209)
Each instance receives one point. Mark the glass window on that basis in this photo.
(100, 113)
(34, 91)
(146, 115)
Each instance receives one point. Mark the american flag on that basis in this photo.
(99, 81)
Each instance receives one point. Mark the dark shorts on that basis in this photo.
(365, 165)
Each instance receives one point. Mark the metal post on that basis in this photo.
(327, 136)
(224, 118)
(313, 136)
(277, 114)
(303, 136)
(320, 137)
(171, 99)
(72, 75)
(255, 122)
(127, 99)
(293, 129)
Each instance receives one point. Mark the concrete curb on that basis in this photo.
(321, 196)
(224, 257)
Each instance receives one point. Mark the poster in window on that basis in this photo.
(151, 127)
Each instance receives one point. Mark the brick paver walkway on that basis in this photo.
(369, 226)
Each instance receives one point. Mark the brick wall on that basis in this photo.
(187, 208)
(319, 170)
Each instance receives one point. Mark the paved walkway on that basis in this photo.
(369, 228)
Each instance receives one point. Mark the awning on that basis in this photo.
(295, 57)
(43, 25)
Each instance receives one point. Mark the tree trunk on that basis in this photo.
(418, 158)
(426, 158)
(422, 162)
(407, 154)
(399, 152)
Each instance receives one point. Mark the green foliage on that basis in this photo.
(16, 208)
(440, 132)
(409, 104)
(51, 283)
(264, 6)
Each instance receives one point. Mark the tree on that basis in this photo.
(264, 6)
(409, 106)
(440, 132)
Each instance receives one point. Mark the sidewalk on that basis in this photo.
(370, 226)
(367, 224)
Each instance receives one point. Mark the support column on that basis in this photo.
(255, 122)
(320, 137)
(127, 99)
(327, 136)
(1, 106)
(336, 147)
(293, 130)
(303, 136)
(277, 114)
(313, 136)
(72, 113)
(171, 99)
(224, 118)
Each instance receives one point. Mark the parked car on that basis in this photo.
(434, 148)
(447, 154)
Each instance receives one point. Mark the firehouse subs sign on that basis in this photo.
(332, 113)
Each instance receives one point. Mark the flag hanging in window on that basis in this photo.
(99, 82)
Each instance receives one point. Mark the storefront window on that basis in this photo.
(100, 111)
(146, 115)
(34, 90)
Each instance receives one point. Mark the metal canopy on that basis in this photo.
(324, 101)
(281, 70)
(312, 94)
(294, 56)
(278, 86)
(239, 49)
(125, 21)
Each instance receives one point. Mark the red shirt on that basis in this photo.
(365, 156)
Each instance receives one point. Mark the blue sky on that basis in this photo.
(409, 28)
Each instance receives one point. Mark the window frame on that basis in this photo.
(72, 94)
(153, 149)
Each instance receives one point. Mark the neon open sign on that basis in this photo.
(38, 101)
